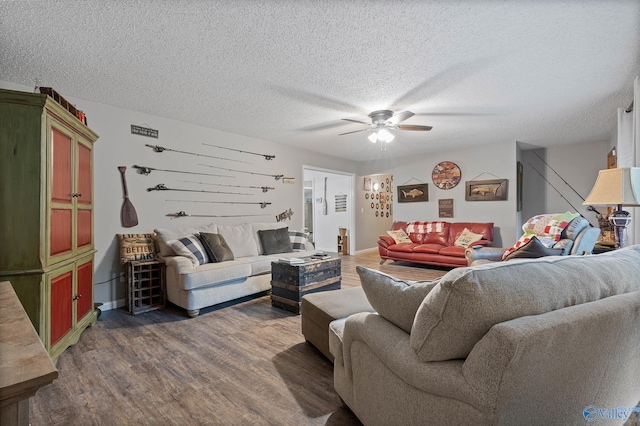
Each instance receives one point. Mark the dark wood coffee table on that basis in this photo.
(290, 282)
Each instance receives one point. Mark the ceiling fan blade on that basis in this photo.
(414, 127)
(357, 121)
(355, 131)
(401, 116)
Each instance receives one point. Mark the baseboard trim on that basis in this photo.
(114, 304)
(366, 250)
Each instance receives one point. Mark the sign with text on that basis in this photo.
(144, 131)
(445, 207)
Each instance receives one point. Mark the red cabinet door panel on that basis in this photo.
(61, 225)
(61, 313)
(84, 174)
(84, 228)
(85, 287)
(61, 185)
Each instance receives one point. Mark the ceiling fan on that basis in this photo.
(384, 120)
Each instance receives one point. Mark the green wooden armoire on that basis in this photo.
(46, 215)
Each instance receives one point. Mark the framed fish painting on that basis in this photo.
(486, 190)
(413, 193)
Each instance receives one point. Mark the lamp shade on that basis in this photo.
(619, 186)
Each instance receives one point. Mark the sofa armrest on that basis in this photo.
(181, 264)
(585, 241)
(390, 345)
(483, 243)
(385, 241)
(490, 254)
(506, 364)
(308, 246)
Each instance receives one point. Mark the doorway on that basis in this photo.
(328, 205)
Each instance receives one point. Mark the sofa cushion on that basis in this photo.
(215, 274)
(240, 239)
(483, 228)
(395, 300)
(574, 228)
(546, 227)
(466, 238)
(399, 236)
(275, 241)
(416, 238)
(557, 225)
(433, 232)
(136, 247)
(452, 251)
(255, 227)
(532, 249)
(191, 248)
(404, 247)
(428, 248)
(456, 314)
(216, 247)
(298, 240)
(163, 236)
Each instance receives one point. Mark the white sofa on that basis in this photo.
(195, 287)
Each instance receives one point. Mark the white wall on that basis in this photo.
(118, 147)
(497, 160)
(577, 164)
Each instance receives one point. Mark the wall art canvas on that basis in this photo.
(367, 184)
(413, 193)
(341, 203)
(486, 190)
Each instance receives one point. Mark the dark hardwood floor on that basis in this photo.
(241, 364)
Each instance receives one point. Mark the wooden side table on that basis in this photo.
(145, 285)
(343, 244)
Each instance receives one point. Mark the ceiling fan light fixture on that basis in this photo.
(385, 136)
(381, 135)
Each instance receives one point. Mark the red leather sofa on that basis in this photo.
(435, 247)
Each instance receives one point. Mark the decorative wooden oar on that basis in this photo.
(128, 213)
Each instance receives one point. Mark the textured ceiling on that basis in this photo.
(478, 71)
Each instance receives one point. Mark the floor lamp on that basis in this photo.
(617, 187)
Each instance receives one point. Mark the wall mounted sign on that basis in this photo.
(341, 203)
(288, 180)
(486, 190)
(284, 215)
(413, 193)
(446, 175)
(445, 207)
(144, 131)
(367, 184)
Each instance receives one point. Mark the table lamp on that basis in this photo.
(617, 187)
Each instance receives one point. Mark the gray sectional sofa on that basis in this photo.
(194, 286)
(533, 341)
